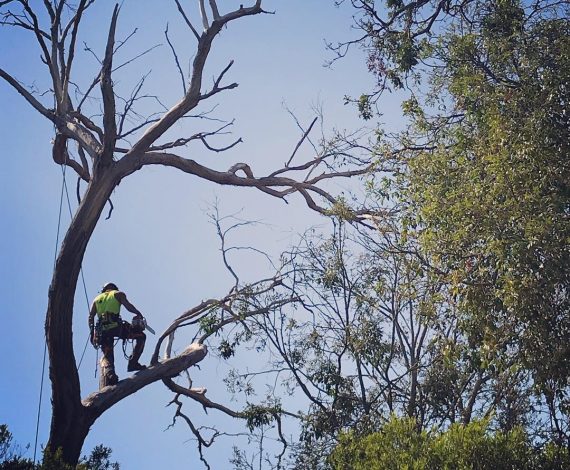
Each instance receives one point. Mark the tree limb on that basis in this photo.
(109, 123)
(215, 11)
(97, 403)
(193, 96)
(77, 19)
(181, 10)
(200, 397)
(305, 134)
(204, 16)
(48, 113)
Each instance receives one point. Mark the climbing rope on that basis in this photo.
(45, 339)
(63, 189)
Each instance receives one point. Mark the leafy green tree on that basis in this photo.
(400, 445)
(483, 177)
(492, 200)
(438, 340)
(453, 313)
(372, 335)
(493, 197)
(11, 457)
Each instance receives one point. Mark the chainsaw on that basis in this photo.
(140, 324)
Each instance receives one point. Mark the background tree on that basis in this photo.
(456, 310)
(373, 335)
(103, 149)
(11, 457)
(482, 179)
(400, 445)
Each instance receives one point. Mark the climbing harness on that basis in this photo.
(138, 325)
(128, 357)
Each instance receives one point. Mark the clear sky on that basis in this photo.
(158, 245)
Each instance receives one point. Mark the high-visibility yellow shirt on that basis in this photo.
(107, 307)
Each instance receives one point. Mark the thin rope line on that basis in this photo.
(40, 401)
(45, 338)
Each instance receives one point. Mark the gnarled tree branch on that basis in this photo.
(97, 403)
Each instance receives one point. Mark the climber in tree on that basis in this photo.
(110, 325)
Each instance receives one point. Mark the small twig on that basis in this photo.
(129, 104)
(122, 43)
(292, 114)
(86, 48)
(137, 57)
(199, 136)
(86, 95)
(221, 149)
(180, 9)
(175, 59)
(136, 128)
(217, 82)
(305, 134)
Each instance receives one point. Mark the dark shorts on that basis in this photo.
(123, 330)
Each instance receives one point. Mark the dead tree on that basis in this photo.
(96, 149)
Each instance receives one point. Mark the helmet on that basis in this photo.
(109, 286)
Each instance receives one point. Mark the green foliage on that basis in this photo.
(397, 446)
(257, 416)
(10, 453)
(99, 459)
(365, 107)
(494, 199)
(481, 182)
(11, 457)
(341, 210)
(55, 461)
(225, 349)
(400, 445)
(209, 323)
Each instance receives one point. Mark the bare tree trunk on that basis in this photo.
(70, 422)
(55, 27)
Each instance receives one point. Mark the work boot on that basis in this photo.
(134, 366)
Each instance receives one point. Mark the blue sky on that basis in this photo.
(158, 245)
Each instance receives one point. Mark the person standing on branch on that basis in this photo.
(110, 325)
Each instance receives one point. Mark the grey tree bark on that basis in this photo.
(102, 164)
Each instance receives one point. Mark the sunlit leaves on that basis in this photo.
(399, 444)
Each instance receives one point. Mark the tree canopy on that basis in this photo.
(482, 191)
